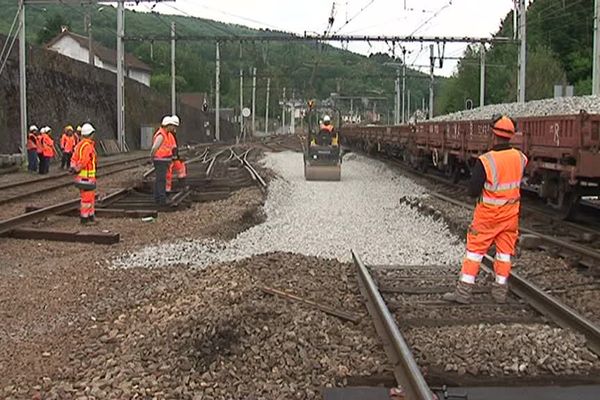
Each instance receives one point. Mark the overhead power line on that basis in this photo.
(276, 37)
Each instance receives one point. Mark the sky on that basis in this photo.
(473, 18)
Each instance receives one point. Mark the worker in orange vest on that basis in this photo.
(496, 180)
(83, 163)
(326, 125)
(32, 157)
(178, 165)
(163, 145)
(77, 134)
(47, 147)
(67, 144)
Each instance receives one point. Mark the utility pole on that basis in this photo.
(267, 111)
(218, 96)
(253, 101)
(596, 68)
(523, 51)
(283, 113)
(482, 77)
(173, 84)
(89, 32)
(241, 93)
(293, 114)
(431, 78)
(408, 105)
(22, 79)
(120, 75)
(398, 117)
(403, 85)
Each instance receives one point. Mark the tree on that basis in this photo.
(52, 27)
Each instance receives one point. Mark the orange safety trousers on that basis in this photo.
(179, 168)
(484, 232)
(88, 202)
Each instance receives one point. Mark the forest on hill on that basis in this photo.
(560, 46)
(309, 70)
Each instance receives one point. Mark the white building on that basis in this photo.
(76, 46)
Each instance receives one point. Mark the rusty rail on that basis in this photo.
(586, 251)
(406, 371)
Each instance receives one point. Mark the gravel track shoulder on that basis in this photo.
(325, 219)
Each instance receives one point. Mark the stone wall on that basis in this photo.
(63, 91)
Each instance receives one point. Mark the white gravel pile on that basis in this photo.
(560, 106)
(324, 219)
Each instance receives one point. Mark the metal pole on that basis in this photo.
(523, 51)
(431, 78)
(267, 111)
(403, 85)
(398, 94)
(482, 77)
(293, 114)
(23, 79)
(241, 92)
(173, 82)
(120, 75)
(218, 95)
(596, 68)
(253, 101)
(90, 40)
(283, 113)
(408, 105)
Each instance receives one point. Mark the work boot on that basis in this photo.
(462, 294)
(499, 292)
(83, 220)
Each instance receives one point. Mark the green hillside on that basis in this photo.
(290, 65)
(560, 45)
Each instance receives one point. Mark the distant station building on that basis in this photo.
(76, 46)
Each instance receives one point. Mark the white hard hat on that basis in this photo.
(175, 120)
(168, 120)
(326, 118)
(48, 129)
(44, 129)
(87, 129)
(33, 128)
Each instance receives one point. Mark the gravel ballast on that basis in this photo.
(214, 334)
(536, 108)
(324, 219)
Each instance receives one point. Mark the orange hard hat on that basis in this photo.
(503, 126)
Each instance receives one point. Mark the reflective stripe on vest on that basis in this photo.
(503, 177)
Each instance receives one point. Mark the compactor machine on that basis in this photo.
(322, 150)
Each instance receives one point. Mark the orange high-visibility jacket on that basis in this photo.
(328, 128)
(84, 160)
(501, 193)
(47, 145)
(165, 151)
(32, 141)
(67, 143)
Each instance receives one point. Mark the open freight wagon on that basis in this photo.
(563, 151)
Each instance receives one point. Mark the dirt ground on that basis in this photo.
(53, 293)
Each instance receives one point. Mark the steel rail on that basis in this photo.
(59, 185)
(70, 205)
(549, 306)
(255, 175)
(406, 371)
(586, 251)
(63, 174)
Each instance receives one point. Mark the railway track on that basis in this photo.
(519, 350)
(570, 268)
(22, 189)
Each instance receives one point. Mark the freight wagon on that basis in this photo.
(564, 151)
